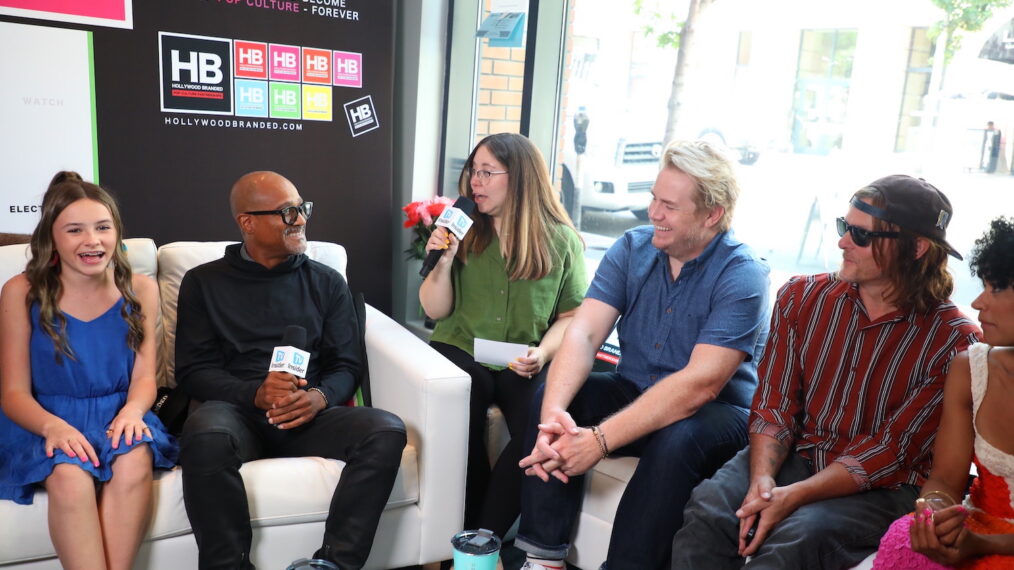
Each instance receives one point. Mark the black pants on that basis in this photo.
(219, 437)
(493, 497)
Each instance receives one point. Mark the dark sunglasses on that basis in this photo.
(289, 215)
(861, 237)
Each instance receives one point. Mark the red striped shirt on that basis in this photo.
(838, 387)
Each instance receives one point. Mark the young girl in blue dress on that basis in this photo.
(77, 381)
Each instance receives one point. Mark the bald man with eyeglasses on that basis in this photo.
(231, 314)
(848, 401)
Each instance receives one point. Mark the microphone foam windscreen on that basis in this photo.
(295, 336)
(465, 204)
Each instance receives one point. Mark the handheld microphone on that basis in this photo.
(289, 357)
(455, 218)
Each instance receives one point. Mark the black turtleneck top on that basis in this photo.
(232, 313)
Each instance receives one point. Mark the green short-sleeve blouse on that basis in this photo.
(489, 306)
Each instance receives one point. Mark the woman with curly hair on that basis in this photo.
(976, 426)
(77, 359)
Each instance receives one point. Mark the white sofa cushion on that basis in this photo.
(12, 260)
(269, 486)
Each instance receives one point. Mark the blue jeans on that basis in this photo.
(833, 533)
(673, 461)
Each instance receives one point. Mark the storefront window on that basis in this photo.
(813, 102)
(822, 90)
(917, 78)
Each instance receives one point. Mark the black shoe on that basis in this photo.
(315, 564)
(322, 560)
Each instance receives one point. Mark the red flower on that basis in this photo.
(425, 211)
(436, 208)
(420, 216)
(412, 213)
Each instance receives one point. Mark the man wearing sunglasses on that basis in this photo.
(843, 420)
(231, 313)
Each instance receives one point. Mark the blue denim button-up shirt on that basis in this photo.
(720, 298)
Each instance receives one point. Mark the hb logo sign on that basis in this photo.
(361, 115)
(195, 73)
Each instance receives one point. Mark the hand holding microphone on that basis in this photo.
(286, 370)
(444, 242)
(293, 407)
(276, 385)
(454, 220)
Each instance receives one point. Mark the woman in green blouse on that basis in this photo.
(517, 276)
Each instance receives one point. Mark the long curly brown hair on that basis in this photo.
(44, 275)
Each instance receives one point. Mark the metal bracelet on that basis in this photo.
(939, 493)
(601, 439)
(322, 395)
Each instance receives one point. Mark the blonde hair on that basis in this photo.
(44, 273)
(713, 173)
(532, 212)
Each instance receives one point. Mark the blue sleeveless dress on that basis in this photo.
(87, 391)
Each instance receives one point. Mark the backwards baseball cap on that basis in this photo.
(913, 204)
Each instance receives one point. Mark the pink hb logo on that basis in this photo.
(348, 69)
(284, 63)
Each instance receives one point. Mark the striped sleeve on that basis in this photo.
(776, 406)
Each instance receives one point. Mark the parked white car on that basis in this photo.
(622, 181)
(613, 182)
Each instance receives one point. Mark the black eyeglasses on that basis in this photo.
(289, 215)
(861, 237)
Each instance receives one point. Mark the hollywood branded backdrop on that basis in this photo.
(166, 103)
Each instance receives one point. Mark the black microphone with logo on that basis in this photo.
(457, 219)
(290, 356)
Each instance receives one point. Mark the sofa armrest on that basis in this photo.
(430, 394)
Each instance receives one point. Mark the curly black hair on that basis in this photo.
(993, 255)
